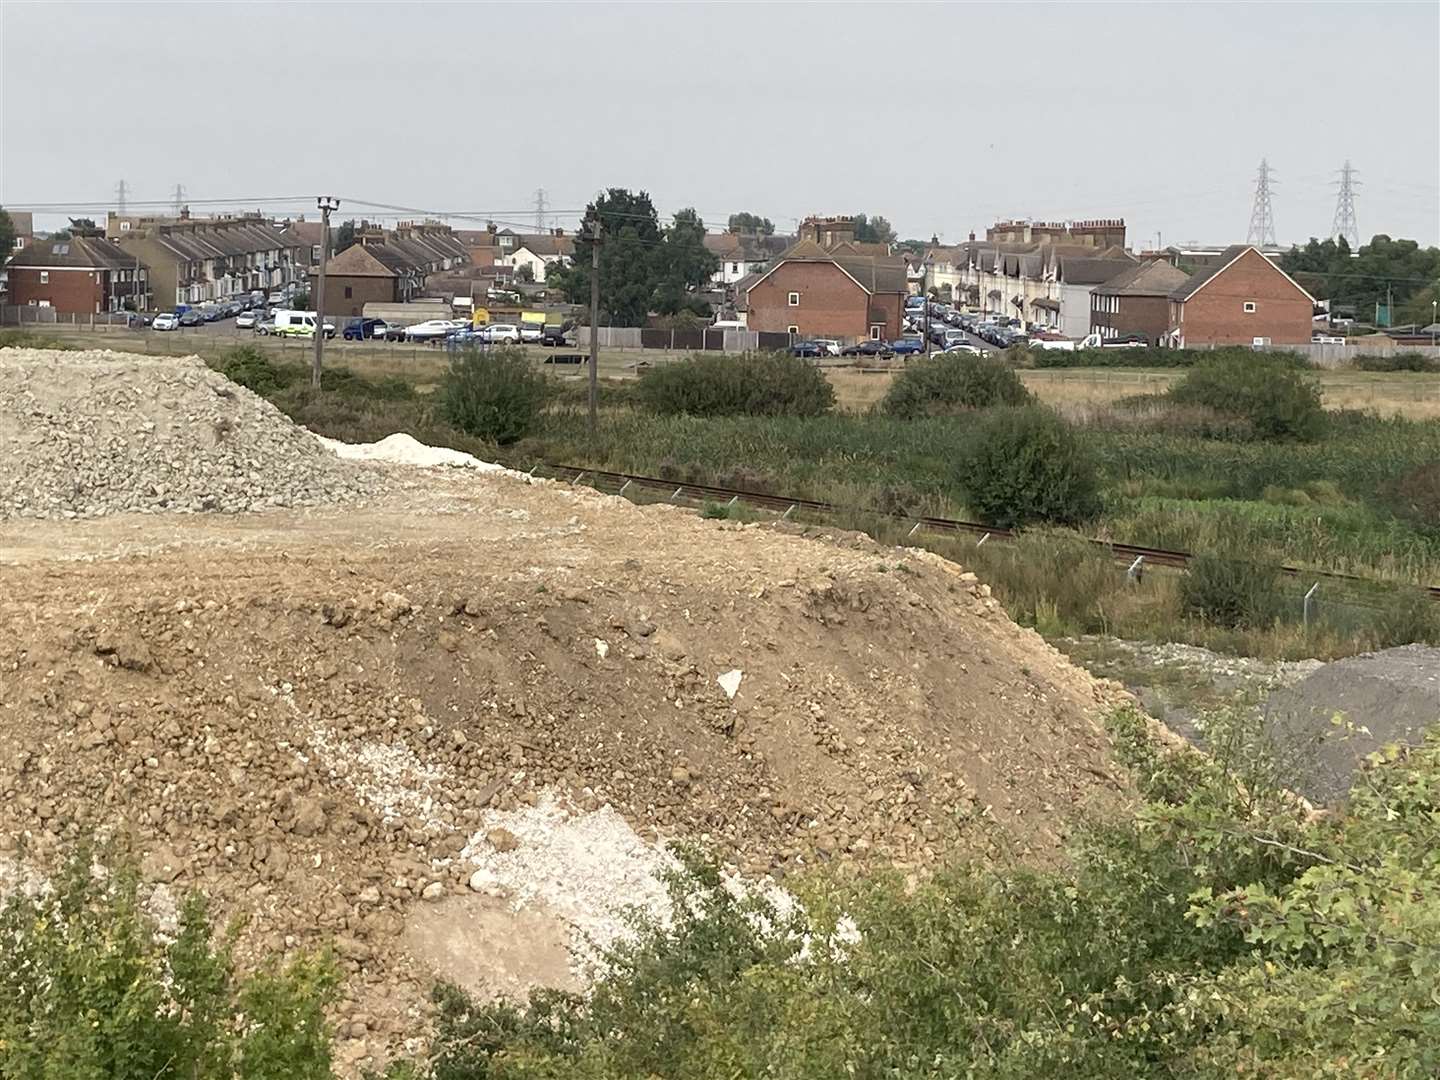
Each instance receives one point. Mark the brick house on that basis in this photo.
(22, 222)
(361, 274)
(810, 292)
(80, 275)
(1136, 301)
(1245, 300)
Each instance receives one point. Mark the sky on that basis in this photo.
(941, 117)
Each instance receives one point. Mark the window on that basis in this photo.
(734, 268)
(794, 299)
(347, 292)
(44, 277)
(876, 331)
(792, 330)
(124, 226)
(1249, 307)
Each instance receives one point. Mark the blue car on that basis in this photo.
(907, 346)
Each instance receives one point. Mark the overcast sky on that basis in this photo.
(940, 117)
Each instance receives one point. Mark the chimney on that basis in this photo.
(559, 232)
(490, 227)
(185, 213)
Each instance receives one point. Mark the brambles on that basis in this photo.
(936, 385)
(1273, 394)
(751, 384)
(493, 395)
(1025, 466)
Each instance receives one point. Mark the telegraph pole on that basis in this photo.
(326, 203)
(595, 327)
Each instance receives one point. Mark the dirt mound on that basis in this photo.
(1393, 695)
(96, 432)
(320, 718)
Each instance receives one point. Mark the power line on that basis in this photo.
(1262, 215)
(1344, 226)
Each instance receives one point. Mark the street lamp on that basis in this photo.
(325, 203)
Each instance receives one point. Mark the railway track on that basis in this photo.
(786, 505)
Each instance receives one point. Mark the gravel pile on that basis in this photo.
(88, 433)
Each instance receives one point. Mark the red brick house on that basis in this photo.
(1244, 300)
(810, 292)
(1136, 301)
(361, 274)
(78, 275)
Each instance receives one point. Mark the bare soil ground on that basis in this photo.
(309, 713)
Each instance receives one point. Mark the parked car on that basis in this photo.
(192, 318)
(275, 298)
(290, 323)
(531, 334)
(554, 336)
(811, 350)
(907, 346)
(166, 320)
(506, 332)
(963, 347)
(430, 330)
(867, 348)
(360, 329)
(832, 347)
(246, 320)
(265, 326)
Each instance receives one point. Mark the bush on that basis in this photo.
(751, 384)
(1151, 356)
(942, 384)
(1020, 466)
(493, 395)
(1416, 495)
(1229, 591)
(1404, 361)
(1411, 617)
(252, 369)
(87, 989)
(1274, 395)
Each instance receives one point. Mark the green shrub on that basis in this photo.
(87, 989)
(1274, 395)
(1416, 495)
(493, 395)
(1412, 616)
(1230, 591)
(751, 384)
(1403, 361)
(1151, 356)
(942, 384)
(1020, 466)
(252, 369)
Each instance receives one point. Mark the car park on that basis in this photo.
(166, 321)
(246, 320)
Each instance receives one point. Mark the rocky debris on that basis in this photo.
(1324, 726)
(95, 432)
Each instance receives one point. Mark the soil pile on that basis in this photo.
(356, 725)
(95, 432)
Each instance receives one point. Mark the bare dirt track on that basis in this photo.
(310, 713)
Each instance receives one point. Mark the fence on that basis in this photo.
(28, 315)
(1343, 356)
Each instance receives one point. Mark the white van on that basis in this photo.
(726, 324)
(298, 324)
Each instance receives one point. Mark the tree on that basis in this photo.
(1382, 271)
(630, 238)
(525, 272)
(7, 236)
(684, 265)
(344, 236)
(874, 230)
(750, 224)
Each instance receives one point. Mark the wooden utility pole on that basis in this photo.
(326, 203)
(595, 327)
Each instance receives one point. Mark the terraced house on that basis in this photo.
(192, 260)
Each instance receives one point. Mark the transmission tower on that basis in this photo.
(540, 207)
(1262, 216)
(1345, 225)
(179, 198)
(120, 191)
